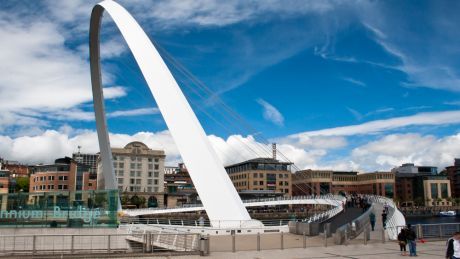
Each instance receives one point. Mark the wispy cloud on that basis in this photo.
(354, 81)
(135, 112)
(428, 118)
(355, 113)
(270, 113)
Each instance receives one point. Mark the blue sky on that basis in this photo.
(362, 85)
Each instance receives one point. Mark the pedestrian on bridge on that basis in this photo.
(384, 219)
(372, 220)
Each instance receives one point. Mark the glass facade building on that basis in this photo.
(60, 209)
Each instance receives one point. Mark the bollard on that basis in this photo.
(282, 241)
(258, 241)
(304, 240)
(152, 238)
(383, 235)
(233, 243)
(440, 230)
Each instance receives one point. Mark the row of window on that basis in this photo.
(139, 181)
(256, 175)
(49, 187)
(50, 178)
(139, 159)
(137, 173)
(137, 189)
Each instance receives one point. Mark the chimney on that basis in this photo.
(274, 150)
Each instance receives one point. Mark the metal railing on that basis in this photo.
(335, 199)
(61, 244)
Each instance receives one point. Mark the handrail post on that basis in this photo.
(108, 244)
(282, 241)
(72, 239)
(185, 242)
(304, 240)
(233, 243)
(258, 241)
(34, 244)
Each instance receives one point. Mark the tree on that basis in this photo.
(418, 201)
(22, 183)
(139, 202)
(125, 200)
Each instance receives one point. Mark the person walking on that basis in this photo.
(384, 219)
(410, 237)
(402, 241)
(453, 247)
(372, 220)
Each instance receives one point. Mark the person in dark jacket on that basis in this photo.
(410, 237)
(372, 220)
(402, 241)
(384, 219)
(453, 247)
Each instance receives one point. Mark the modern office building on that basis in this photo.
(139, 171)
(264, 174)
(422, 189)
(317, 182)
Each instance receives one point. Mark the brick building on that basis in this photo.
(339, 182)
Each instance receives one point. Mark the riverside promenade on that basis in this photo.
(435, 249)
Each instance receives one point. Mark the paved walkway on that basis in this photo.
(387, 250)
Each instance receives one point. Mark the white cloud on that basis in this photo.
(396, 149)
(270, 113)
(427, 118)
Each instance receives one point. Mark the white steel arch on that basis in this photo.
(217, 193)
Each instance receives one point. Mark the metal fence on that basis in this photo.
(40, 245)
(434, 231)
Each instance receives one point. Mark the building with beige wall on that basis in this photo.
(261, 174)
(139, 171)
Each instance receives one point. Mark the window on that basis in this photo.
(62, 187)
(155, 189)
(156, 160)
(50, 187)
(255, 183)
(150, 166)
(155, 181)
(138, 173)
(120, 172)
(51, 178)
(139, 166)
(131, 181)
(434, 191)
(261, 183)
(149, 189)
(157, 166)
(121, 165)
(155, 174)
(150, 174)
(444, 190)
(120, 180)
(62, 178)
(149, 181)
(138, 181)
(132, 173)
(132, 166)
(150, 160)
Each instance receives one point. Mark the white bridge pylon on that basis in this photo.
(216, 191)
